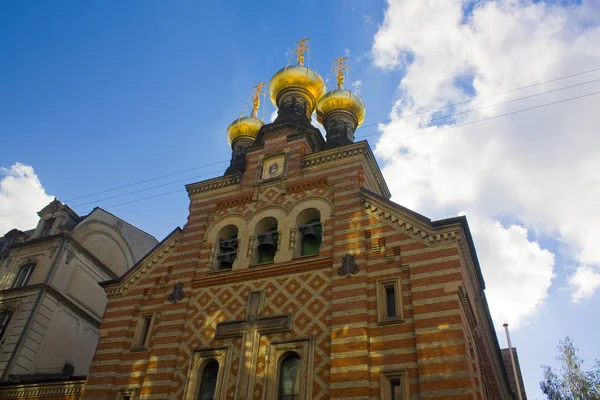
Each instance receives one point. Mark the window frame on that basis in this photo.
(386, 377)
(276, 354)
(282, 361)
(4, 325)
(136, 344)
(382, 309)
(47, 227)
(127, 392)
(198, 362)
(29, 273)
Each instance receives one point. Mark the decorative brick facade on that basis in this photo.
(441, 343)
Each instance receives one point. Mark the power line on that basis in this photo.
(143, 198)
(145, 181)
(145, 189)
(412, 136)
(2, 218)
(474, 98)
(490, 118)
(366, 135)
(484, 107)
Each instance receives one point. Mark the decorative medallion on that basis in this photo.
(273, 167)
(69, 257)
(177, 293)
(348, 267)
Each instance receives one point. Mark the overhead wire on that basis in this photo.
(380, 131)
(475, 98)
(359, 136)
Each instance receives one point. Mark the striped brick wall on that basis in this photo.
(433, 343)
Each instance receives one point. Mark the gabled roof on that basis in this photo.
(146, 260)
(441, 223)
(56, 205)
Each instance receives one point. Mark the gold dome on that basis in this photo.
(296, 76)
(341, 100)
(243, 127)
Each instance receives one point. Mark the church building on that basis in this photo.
(295, 277)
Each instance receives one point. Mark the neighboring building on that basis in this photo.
(51, 304)
(296, 277)
(510, 371)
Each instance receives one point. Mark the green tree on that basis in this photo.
(570, 381)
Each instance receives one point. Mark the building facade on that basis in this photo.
(51, 304)
(296, 277)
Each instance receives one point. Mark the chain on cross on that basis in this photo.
(340, 66)
(258, 89)
(301, 47)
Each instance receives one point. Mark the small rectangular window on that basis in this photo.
(389, 301)
(128, 394)
(4, 321)
(47, 227)
(395, 388)
(394, 385)
(142, 333)
(23, 275)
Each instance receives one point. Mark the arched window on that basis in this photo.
(289, 377)
(310, 232)
(267, 237)
(227, 241)
(208, 384)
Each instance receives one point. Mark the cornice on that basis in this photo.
(305, 184)
(73, 243)
(140, 271)
(9, 295)
(37, 390)
(212, 184)
(414, 228)
(253, 273)
(345, 152)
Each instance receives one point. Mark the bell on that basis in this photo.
(228, 246)
(267, 245)
(226, 260)
(310, 235)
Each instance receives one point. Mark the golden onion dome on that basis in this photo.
(341, 100)
(247, 127)
(243, 127)
(296, 76)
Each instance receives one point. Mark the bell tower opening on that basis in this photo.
(227, 240)
(267, 238)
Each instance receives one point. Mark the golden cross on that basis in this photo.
(301, 47)
(340, 68)
(256, 97)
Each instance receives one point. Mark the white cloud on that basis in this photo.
(518, 271)
(541, 167)
(584, 282)
(21, 196)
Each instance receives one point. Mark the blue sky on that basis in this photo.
(101, 94)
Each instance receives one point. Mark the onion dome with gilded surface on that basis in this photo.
(247, 127)
(340, 111)
(297, 83)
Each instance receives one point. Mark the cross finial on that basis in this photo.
(340, 66)
(258, 89)
(301, 47)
